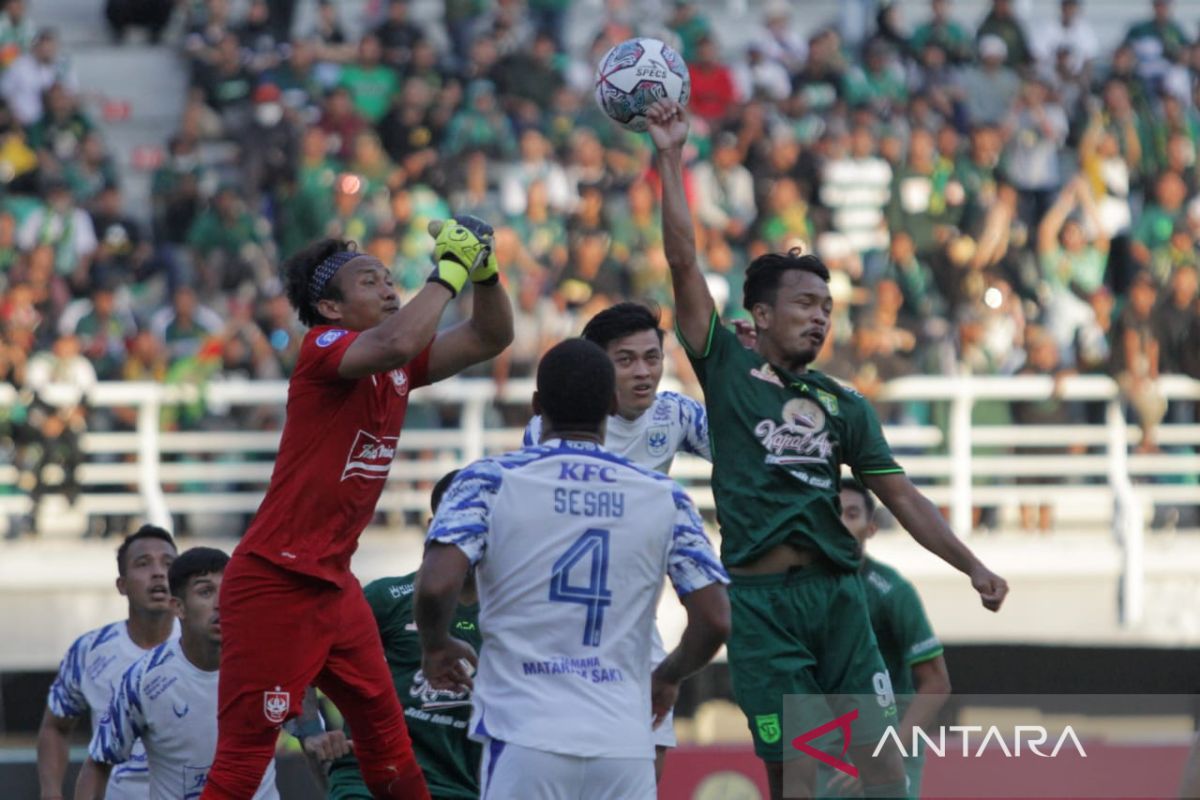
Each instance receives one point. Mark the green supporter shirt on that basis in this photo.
(448, 758)
(778, 443)
(901, 627)
(372, 89)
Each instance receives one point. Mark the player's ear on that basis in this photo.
(761, 312)
(121, 587)
(329, 309)
(177, 607)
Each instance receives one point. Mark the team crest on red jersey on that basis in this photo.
(276, 705)
(370, 456)
(399, 381)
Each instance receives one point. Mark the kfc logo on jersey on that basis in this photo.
(370, 457)
(276, 705)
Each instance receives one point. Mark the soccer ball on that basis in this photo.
(634, 74)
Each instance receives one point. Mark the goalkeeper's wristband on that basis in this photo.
(451, 274)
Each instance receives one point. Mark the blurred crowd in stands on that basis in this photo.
(993, 197)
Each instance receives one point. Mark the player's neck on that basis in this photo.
(549, 431)
(149, 628)
(773, 355)
(203, 654)
(630, 415)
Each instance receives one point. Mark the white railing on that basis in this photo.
(153, 473)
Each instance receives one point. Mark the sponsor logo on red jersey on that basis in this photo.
(370, 456)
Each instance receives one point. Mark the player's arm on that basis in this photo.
(490, 328)
(707, 629)
(456, 541)
(53, 753)
(65, 704)
(485, 335)
(459, 253)
(439, 583)
(92, 783)
(694, 307)
(925, 524)
(699, 580)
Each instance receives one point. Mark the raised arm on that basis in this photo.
(693, 304)
(1087, 201)
(923, 522)
(462, 251)
(485, 335)
(1053, 221)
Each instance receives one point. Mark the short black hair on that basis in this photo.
(439, 489)
(192, 564)
(297, 276)
(762, 277)
(144, 532)
(621, 320)
(853, 485)
(576, 383)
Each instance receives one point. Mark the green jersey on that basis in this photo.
(778, 443)
(901, 627)
(448, 758)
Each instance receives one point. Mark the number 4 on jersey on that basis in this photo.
(595, 595)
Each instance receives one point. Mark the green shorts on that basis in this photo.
(807, 633)
(346, 783)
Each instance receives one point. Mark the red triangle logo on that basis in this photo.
(842, 723)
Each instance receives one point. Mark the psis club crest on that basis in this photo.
(276, 705)
(658, 440)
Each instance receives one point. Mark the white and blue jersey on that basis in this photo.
(571, 543)
(169, 705)
(673, 424)
(87, 677)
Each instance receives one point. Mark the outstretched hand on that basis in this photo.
(668, 124)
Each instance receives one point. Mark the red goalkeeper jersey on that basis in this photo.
(338, 444)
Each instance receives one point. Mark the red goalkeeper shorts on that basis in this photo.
(281, 633)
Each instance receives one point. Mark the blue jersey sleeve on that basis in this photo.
(691, 561)
(694, 420)
(464, 515)
(125, 720)
(66, 697)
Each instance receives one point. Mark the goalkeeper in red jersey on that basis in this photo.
(292, 614)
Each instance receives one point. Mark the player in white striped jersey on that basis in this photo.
(92, 667)
(167, 699)
(649, 426)
(570, 544)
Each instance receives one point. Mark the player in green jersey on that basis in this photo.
(437, 720)
(910, 649)
(780, 433)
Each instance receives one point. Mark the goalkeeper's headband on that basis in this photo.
(324, 273)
